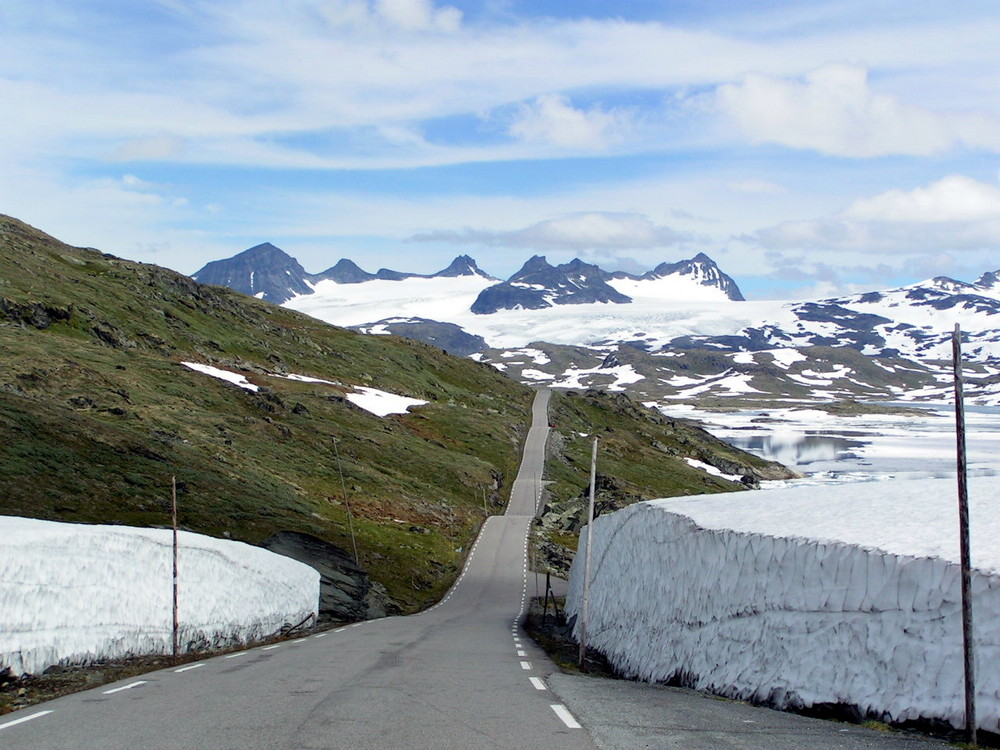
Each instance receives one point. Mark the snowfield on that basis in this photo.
(74, 593)
(837, 594)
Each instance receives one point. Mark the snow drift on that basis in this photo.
(803, 596)
(73, 592)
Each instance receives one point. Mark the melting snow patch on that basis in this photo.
(836, 594)
(231, 377)
(382, 403)
(695, 463)
(307, 379)
(74, 592)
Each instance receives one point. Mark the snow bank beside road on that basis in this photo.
(74, 592)
(798, 597)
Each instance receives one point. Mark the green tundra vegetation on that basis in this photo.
(98, 412)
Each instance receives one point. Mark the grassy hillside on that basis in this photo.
(97, 413)
(641, 456)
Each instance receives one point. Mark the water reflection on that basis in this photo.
(798, 450)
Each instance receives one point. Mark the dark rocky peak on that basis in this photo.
(263, 271)
(989, 281)
(447, 336)
(539, 284)
(950, 285)
(387, 274)
(535, 264)
(463, 265)
(345, 272)
(702, 270)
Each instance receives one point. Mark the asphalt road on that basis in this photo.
(460, 675)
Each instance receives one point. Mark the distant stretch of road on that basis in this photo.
(460, 675)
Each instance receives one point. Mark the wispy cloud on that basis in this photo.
(584, 231)
(833, 110)
(551, 119)
(954, 213)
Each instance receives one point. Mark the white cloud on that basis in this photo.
(955, 198)
(419, 15)
(954, 213)
(551, 119)
(582, 231)
(834, 111)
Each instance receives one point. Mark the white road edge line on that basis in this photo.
(321, 635)
(233, 656)
(537, 682)
(565, 715)
(271, 648)
(23, 719)
(131, 685)
(188, 668)
(525, 665)
(522, 653)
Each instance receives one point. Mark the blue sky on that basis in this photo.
(811, 148)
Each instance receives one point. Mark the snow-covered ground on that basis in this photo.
(653, 314)
(74, 592)
(661, 310)
(382, 403)
(379, 403)
(837, 594)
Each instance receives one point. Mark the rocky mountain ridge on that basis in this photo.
(269, 273)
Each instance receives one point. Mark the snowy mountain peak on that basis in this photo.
(950, 285)
(989, 282)
(539, 284)
(702, 270)
(463, 265)
(263, 271)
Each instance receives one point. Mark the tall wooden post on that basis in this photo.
(347, 504)
(173, 503)
(963, 532)
(586, 562)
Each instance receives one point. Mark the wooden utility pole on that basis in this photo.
(586, 561)
(347, 504)
(173, 503)
(963, 532)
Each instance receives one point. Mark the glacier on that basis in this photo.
(74, 593)
(802, 596)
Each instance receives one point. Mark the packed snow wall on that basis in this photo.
(792, 621)
(74, 592)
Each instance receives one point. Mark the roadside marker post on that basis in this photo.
(173, 514)
(968, 647)
(586, 564)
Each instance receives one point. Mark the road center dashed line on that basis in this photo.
(525, 665)
(23, 719)
(131, 685)
(188, 668)
(271, 648)
(537, 682)
(565, 715)
(238, 653)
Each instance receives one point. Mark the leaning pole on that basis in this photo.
(963, 533)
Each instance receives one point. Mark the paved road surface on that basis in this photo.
(460, 675)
